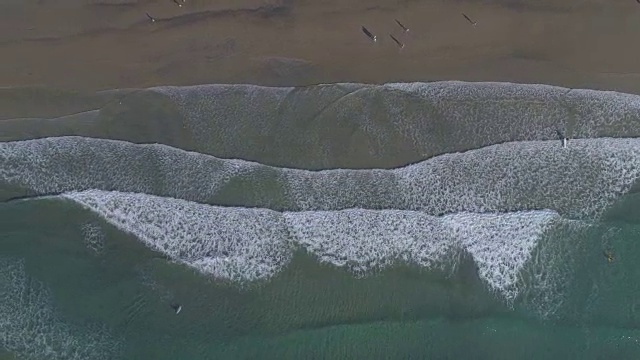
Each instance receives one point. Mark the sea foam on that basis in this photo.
(94, 238)
(30, 327)
(580, 181)
(243, 245)
(344, 125)
(392, 124)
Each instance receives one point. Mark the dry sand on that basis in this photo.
(104, 44)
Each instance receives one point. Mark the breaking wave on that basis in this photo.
(243, 245)
(578, 182)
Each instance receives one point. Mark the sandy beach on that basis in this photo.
(372, 201)
(106, 44)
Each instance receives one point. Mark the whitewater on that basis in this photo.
(486, 175)
(578, 182)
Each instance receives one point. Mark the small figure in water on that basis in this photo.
(609, 255)
(562, 138)
(176, 307)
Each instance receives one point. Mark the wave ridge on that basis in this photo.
(243, 245)
(577, 182)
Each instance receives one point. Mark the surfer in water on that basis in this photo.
(176, 308)
(369, 34)
(609, 255)
(562, 138)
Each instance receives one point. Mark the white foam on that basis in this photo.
(392, 122)
(552, 268)
(578, 182)
(323, 126)
(534, 109)
(30, 328)
(241, 244)
(94, 237)
(226, 102)
(53, 165)
(501, 244)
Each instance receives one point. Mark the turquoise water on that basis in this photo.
(495, 252)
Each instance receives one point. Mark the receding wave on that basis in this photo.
(578, 182)
(243, 244)
(30, 327)
(345, 125)
(357, 125)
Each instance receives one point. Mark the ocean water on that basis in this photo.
(347, 221)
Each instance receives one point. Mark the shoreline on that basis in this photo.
(37, 102)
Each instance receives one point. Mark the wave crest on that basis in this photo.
(241, 244)
(578, 182)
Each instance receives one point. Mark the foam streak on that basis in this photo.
(240, 244)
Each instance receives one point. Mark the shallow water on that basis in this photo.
(491, 244)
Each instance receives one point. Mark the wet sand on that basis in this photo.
(105, 44)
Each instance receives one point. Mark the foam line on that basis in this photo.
(344, 125)
(392, 123)
(577, 182)
(30, 327)
(243, 245)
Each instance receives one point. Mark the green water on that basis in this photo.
(64, 298)
(312, 310)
